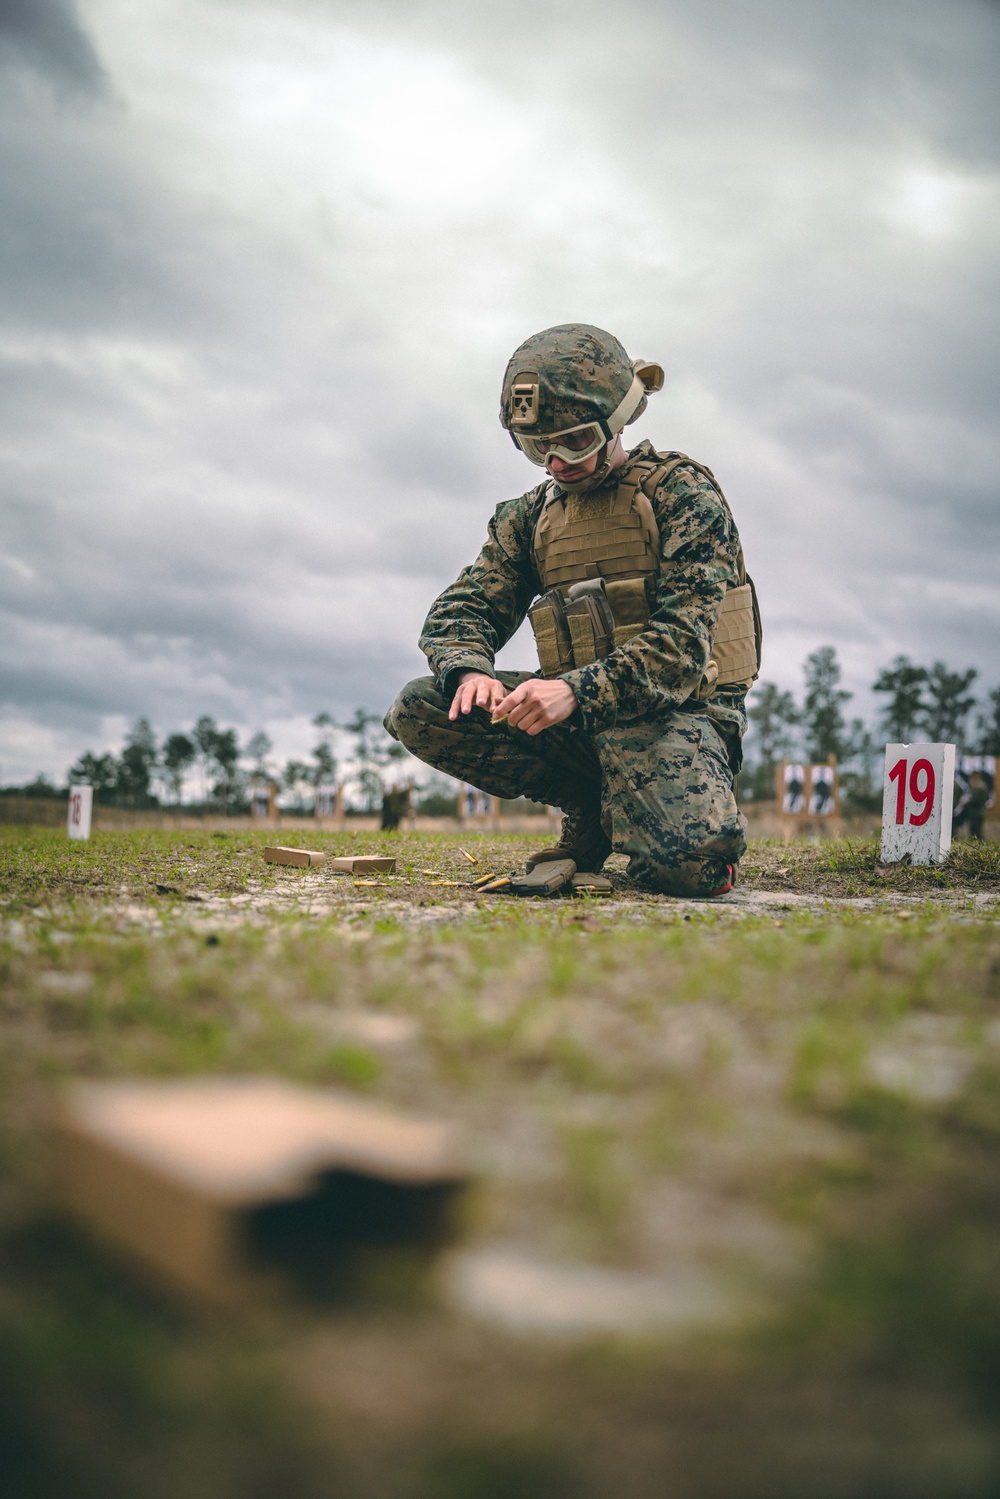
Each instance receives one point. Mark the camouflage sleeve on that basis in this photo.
(660, 668)
(470, 621)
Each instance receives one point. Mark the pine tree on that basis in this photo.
(949, 703)
(326, 762)
(904, 684)
(219, 753)
(226, 754)
(177, 754)
(774, 717)
(822, 713)
(989, 724)
(258, 747)
(136, 766)
(365, 728)
(99, 771)
(206, 732)
(294, 777)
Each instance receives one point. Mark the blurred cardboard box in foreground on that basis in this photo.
(299, 858)
(220, 1186)
(364, 864)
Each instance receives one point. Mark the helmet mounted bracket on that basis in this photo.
(524, 400)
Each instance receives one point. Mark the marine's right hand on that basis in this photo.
(476, 690)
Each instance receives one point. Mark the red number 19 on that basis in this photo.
(922, 794)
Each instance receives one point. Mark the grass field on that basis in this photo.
(736, 1226)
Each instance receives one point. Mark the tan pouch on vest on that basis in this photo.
(735, 648)
(591, 622)
(552, 636)
(573, 631)
(629, 606)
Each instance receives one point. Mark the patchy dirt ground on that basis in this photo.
(736, 1165)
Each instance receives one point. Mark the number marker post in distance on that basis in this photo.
(917, 802)
(81, 801)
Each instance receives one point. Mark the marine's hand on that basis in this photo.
(536, 705)
(476, 690)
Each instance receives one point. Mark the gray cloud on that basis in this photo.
(260, 289)
(47, 33)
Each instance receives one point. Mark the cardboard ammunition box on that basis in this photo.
(222, 1187)
(302, 858)
(363, 864)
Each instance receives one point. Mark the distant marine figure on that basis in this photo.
(395, 806)
(975, 782)
(979, 795)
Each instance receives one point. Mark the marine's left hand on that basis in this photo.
(536, 705)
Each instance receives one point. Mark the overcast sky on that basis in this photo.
(262, 265)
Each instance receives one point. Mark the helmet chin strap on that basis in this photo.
(604, 468)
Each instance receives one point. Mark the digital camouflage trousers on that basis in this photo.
(664, 790)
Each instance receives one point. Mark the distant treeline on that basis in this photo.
(207, 766)
(919, 702)
(208, 763)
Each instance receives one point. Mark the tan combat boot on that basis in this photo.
(582, 839)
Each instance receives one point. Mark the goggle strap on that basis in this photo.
(626, 406)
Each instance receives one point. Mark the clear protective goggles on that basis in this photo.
(574, 445)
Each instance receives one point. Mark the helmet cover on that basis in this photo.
(569, 375)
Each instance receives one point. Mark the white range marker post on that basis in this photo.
(81, 802)
(917, 802)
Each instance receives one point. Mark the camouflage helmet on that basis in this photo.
(573, 374)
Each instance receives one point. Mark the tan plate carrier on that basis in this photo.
(597, 557)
